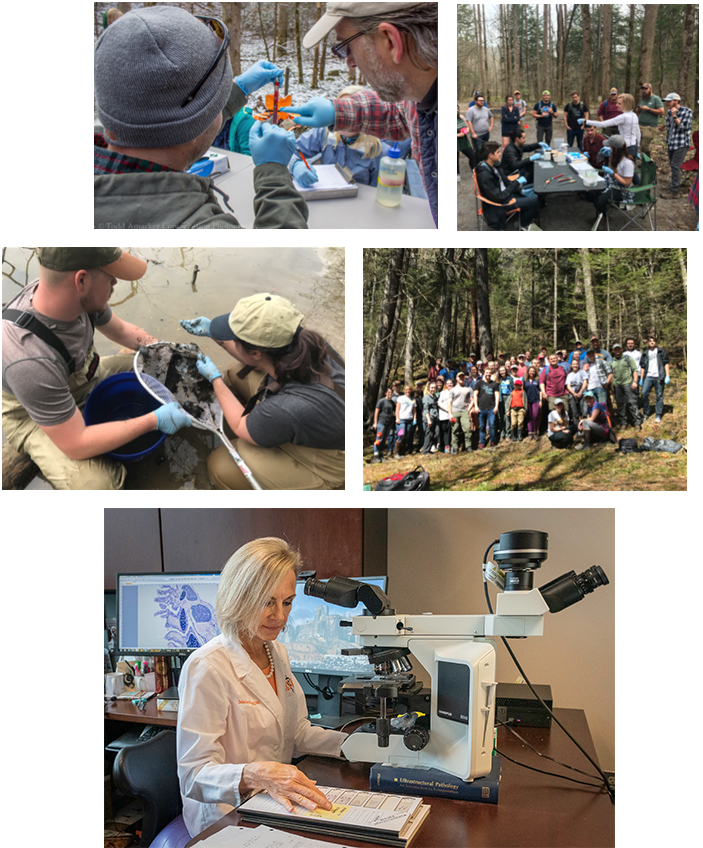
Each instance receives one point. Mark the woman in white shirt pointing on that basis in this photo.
(628, 124)
(242, 715)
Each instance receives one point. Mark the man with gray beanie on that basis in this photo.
(394, 45)
(163, 85)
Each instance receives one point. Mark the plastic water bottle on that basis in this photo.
(391, 178)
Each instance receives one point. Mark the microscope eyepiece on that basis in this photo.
(571, 587)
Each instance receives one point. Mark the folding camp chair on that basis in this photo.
(644, 200)
(690, 166)
(510, 213)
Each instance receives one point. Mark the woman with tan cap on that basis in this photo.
(282, 397)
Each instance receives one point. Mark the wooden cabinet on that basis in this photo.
(350, 542)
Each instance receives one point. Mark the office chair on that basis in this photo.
(148, 771)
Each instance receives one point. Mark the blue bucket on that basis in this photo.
(117, 398)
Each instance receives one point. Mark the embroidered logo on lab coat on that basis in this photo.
(289, 685)
(252, 703)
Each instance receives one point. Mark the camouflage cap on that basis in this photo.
(112, 260)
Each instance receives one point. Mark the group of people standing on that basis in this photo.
(474, 404)
(612, 143)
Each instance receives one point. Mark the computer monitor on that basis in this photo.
(314, 639)
(165, 614)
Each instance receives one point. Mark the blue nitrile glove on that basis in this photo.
(304, 175)
(317, 112)
(268, 143)
(202, 168)
(207, 368)
(607, 170)
(535, 157)
(579, 121)
(196, 326)
(522, 180)
(259, 75)
(606, 151)
(667, 380)
(170, 418)
(528, 192)
(543, 145)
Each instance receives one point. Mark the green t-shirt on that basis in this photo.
(647, 119)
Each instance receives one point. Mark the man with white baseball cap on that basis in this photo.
(50, 366)
(282, 397)
(394, 45)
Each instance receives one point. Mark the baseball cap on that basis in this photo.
(589, 395)
(646, 85)
(616, 141)
(673, 96)
(112, 260)
(265, 320)
(513, 366)
(518, 382)
(616, 344)
(613, 91)
(545, 92)
(336, 11)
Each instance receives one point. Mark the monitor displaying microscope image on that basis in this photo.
(314, 639)
(166, 613)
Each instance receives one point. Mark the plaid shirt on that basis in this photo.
(679, 136)
(603, 369)
(365, 112)
(108, 162)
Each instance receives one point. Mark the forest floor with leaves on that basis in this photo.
(566, 212)
(536, 466)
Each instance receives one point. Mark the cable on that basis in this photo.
(590, 759)
(325, 691)
(551, 773)
(539, 753)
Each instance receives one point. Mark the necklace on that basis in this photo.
(268, 654)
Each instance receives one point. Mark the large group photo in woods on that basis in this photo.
(240, 115)
(577, 116)
(526, 368)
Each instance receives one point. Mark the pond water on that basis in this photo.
(312, 278)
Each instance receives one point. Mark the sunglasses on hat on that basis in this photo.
(222, 33)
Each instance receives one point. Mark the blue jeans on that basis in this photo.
(576, 135)
(486, 416)
(601, 394)
(646, 389)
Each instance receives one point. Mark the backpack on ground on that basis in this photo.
(417, 480)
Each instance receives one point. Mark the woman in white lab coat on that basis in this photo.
(242, 714)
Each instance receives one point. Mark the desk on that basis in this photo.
(349, 213)
(534, 810)
(126, 711)
(542, 174)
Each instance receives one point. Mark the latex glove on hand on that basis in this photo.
(667, 380)
(544, 146)
(607, 170)
(170, 418)
(304, 175)
(579, 121)
(522, 180)
(606, 151)
(528, 192)
(197, 326)
(268, 143)
(207, 368)
(259, 75)
(535, 157)
(317, 112)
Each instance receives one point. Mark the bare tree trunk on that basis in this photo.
(682, 263)
(555, 323)
(275, 32)
(386, 318)
(263, 32)
(588, 290)
(545, 47)
(644, 69)
(537, 68)
(298, 42)
(483, 308)
(282, 34)
(446, 269)
(479, 39)
(409, 333)
(689, 25)
(232, 19)
(586, 57)
(316, 53)
(516, 51)
(628, 54)
(605, 77)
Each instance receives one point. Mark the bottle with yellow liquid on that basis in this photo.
(391, 178)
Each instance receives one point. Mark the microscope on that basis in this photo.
(456, 735)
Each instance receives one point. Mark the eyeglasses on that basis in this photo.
(341, 51)
(222, 33)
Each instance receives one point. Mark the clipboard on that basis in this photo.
(333, 182)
